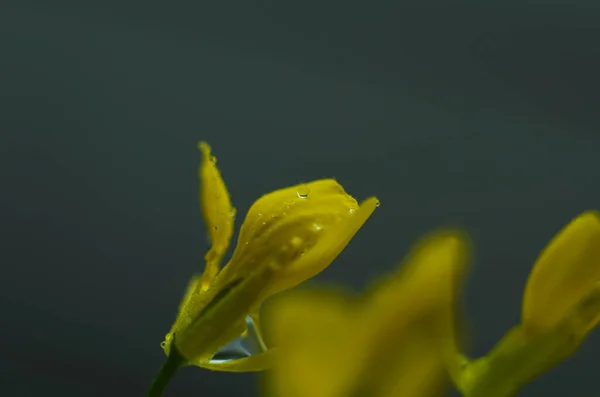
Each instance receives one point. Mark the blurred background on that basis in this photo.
(478, 114)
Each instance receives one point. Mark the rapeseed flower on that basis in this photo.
(288, 236)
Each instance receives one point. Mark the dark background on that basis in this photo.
(482, 114)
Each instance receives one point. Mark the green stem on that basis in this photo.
(515, 360)
(174, 361)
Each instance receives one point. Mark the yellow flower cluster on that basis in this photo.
(402, 337)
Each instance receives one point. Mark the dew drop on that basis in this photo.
(163, 344)
(213, 159)
(377, 204)
(302, 191)
(352, 210)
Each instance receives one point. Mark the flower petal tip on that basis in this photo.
(204, 147)
(589, 219)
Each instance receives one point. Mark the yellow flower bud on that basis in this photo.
(561, 304)
(564, 279)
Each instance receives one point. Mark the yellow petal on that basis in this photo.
(217, 316)
(313, 331)
(217, 211)
(391, 343)
(567, 270)
(186, 301)
(586, 314)
(433, 271)
(299, 230)
(416, 311)
(418, 370)
(330, 245)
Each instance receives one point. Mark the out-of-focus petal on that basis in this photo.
(393, 342)
(417, 313)
(317, 352)
(418, 370)
(567, 270)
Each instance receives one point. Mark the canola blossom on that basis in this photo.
(288, 236)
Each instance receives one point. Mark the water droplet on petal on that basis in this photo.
(352, 210)
(163, 344)
(296, 241)
(302, 191)
(377, 204)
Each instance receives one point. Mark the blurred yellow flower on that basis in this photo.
(393, 342)
(564, 279)
(288, 236)
(561, 304)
